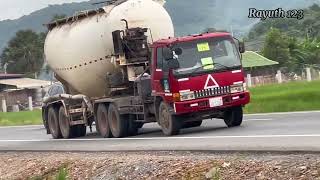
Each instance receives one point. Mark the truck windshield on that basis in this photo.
(209, 55)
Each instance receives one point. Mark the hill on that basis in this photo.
(189, 16)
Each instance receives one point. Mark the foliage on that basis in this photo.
(281, 97)
(24, 52)
(58, 16)
(290, 52)
(62, 174)
(276, 46)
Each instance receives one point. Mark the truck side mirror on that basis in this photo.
(167, 54)
(242, 47)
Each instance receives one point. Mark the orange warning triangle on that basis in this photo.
(211, 83)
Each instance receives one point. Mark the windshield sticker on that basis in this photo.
(203, 47)
(207, 63)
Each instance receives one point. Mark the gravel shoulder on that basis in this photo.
(160, 165)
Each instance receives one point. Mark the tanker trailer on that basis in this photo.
(80, 49)
(97, 55)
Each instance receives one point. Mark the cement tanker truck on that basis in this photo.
(121, 67)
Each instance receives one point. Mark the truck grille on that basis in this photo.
(212, 92)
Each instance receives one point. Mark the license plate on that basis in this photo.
(216, 102)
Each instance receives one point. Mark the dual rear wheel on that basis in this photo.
(110, 123)
(59, 125)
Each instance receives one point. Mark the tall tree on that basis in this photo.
(24, 53)
(276, 47)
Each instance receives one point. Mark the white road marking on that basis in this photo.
(260, 120)
(283, 113)
(246, 115)
(164, 138)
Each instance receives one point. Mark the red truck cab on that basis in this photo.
(198, 77)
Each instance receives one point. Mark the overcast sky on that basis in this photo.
(13, 9)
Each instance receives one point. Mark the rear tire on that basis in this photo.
(118, 123)
(102, 121)
(68, 131)
(193, 124)
(79, 130)
(133, 127)
(64, 124)
(233, 117)
(169, 123)
(53, 123)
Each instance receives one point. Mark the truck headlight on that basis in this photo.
(185, 96)
(237, 88)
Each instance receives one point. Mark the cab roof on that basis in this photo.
(172, 40)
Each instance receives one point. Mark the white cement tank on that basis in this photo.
(80, 51)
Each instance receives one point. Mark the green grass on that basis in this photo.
(21, 118)
(295, 96)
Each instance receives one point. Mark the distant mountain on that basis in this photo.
(189, 16)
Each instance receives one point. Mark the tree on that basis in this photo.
(24, 53)
(58, 16)
(276, 47)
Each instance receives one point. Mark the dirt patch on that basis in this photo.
(160, 165)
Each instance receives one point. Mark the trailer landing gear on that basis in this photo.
(233, 117)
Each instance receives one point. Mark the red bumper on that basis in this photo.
(198, 105)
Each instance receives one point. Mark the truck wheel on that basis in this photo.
(233, 117)
(192, 124)
(64, 123)
(118, 123)
(53, 123)
(133, 127)
(103, 123)
(169, 123)
(79, 130)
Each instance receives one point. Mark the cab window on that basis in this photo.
(161, 63)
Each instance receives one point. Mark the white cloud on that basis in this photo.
(13, 9)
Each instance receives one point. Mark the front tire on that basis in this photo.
(233, 117)
(169, 123)
(53, 123)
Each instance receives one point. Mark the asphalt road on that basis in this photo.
(299, 131)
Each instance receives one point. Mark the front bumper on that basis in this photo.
(199, 105)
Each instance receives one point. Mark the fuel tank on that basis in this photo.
(80, 49)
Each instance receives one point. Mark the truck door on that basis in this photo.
(160, 84)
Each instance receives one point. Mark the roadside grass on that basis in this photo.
(21, 118)
(294, 96)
